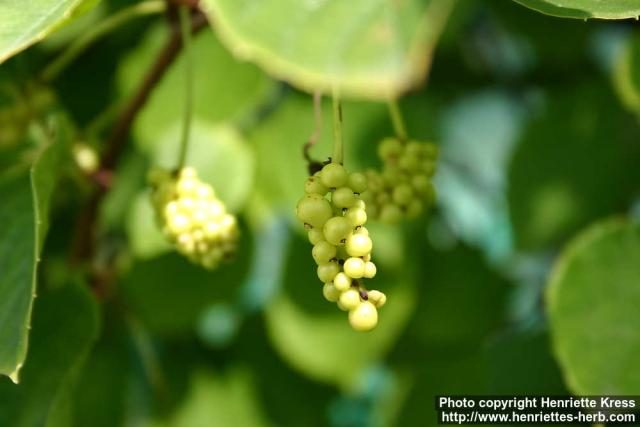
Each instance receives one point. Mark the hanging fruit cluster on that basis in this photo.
(403, 189)
(192, 218)
(341, 243)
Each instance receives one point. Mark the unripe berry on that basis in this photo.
(337, 229)
(323, 252)
(342, 282)
(327, 271)
(350, 299)
(330, 292)
(354, 267)
(343, 197)
(356, 216)
(313, 185)
(313, 209)
(369, 270)
(377, 298)
(358, 245)
(402, 194)
(315, 236)
(364, 317)
(334, 175)
(389, 148)
(358, 182)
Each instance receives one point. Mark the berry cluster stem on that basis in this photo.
(338, 151)
(185, 30)
(397, 121)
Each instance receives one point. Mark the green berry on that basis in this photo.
(323, 252)
(330, 292)
(356, 216)
(342, 282)
(402, 194)
(313, 185)
(389, 148)
(327, 271)
(313, 209)
(315, 236)
(337, 229)
(364, 317)
(334, 175)
(409, 163)
(370, 270)
(350, 299)
(414, 149)
(377, 298)
(343, 197)
(390, 213)
(354, 267)
(358, 182)
(358, 245)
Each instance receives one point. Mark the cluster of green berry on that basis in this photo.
(341, 243)
(192, 218)
(403, 188)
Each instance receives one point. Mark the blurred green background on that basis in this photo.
(540, 140)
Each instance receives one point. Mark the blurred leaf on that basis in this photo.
(145, 237)
(61, 339)
(366, 49)
(224, 399)
(25, 23)
(577, 161)
(593, 302)
(520, 363)
(224, 89)
(168, 293)
(323, 346)
(583, 9)
(626, 74)
(24, 216)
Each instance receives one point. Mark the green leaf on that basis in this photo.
(626, 74)
(583, 9)
(592, 302)
(24, 218)
(365, 48)
(61, 339)
(576, 162)
(25, 23)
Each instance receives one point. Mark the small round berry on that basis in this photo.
(337, 229)
(402, 194)
(377, 298)
(354, 267)
(343, 197)
(323, 252)
(414, 208)
(313, 209)
(357, 216)
(390, 214)
(330, 292)
(350, 299)
(327, 271)
(421, 183)
(409, 163)
(358, 245)
(313, 185)
(369, 270)
(414, 148)
(342, 282)
(315, 236)
(364, 317)
(389, 148)
(334, 175)
(358, 182)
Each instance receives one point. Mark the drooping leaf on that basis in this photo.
(65, 324)
(24, 216)
(583, 9)
(25, 23)
(593, 297)
(372, 49)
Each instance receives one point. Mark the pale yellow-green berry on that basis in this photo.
(364, 317)
(350, 299)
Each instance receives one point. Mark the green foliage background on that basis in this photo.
(525, 279)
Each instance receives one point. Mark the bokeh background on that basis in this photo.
(537, 143)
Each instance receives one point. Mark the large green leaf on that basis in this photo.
(593, 297)
(583, 9)
(65, 324)
(23, 215)
(27, 22)
(365, 48)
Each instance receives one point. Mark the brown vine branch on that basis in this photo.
(86, 232)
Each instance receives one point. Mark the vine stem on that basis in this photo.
(149, 7)
(338, 151)
(396, 120)
(185, 29)
(317, 127)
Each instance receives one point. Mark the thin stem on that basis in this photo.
(337, 130)
(317, 128)
(185, 28)
(149, 7)
(396, 119)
